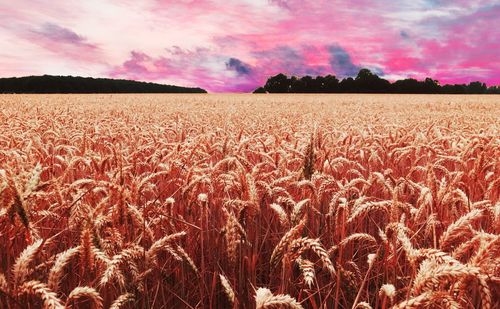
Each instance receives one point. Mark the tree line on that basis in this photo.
(72, 84)
(368, 82)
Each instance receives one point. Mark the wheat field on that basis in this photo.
(249, 201)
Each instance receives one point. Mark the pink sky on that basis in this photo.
(234, 46)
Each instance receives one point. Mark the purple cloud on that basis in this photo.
(239, 66)
(60, 34)
(56, 34)
(64, 42)
(341, 62)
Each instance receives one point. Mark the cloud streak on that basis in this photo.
(60, 34)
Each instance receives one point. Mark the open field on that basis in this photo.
(321, 201)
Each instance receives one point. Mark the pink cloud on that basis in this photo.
(188, 68)
(467, 48)
(236, 45)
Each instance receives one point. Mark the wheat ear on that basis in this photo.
(84, 292)
(50, 299)
(265, 299)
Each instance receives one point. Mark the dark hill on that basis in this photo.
(73, 84)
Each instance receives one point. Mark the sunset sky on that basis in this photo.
(234, 46)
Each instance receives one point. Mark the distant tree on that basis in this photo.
(260, 90)
(298, 85)
(318, 84)
(277, 84)
(454, 89)
(348, 85)
(364, 74)
(476, 88)
(408, 85)
(367, 82)
(294, 85)
(431, 86)
(331, 84)
(307, 83)
(493, 90)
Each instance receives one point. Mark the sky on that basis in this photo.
(234, 46)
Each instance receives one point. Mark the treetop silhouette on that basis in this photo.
(71, 84)
(368, 82)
